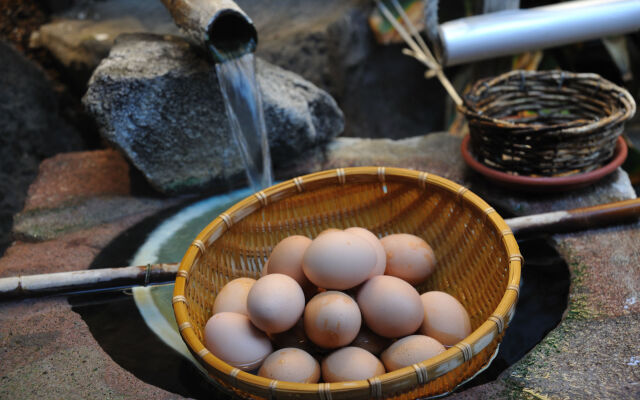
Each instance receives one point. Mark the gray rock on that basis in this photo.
(82, 44)
(48, 224)
(439, 153)
(158, 100)
(31, 131)
(614, 187)
(436, 153)
(81, 36)
(578, 352)
(293, 34)
(381, 91)
(301, 36)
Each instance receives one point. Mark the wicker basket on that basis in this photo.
(478, 257)
(546, 123)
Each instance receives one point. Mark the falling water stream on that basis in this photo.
(243, 103)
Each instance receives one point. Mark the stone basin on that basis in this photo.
(85, 205)
(81, 201)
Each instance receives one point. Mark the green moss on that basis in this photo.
(183, 185)
(579, 308)
(513, 391)
(534, 363)
(578, 273)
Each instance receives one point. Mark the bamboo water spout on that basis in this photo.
(218, 25)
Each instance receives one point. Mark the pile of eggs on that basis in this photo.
(363, 316)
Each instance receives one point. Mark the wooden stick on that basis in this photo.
(64, 282)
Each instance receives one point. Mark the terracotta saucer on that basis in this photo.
(545, 184)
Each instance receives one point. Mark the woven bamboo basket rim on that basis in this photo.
(570, 124)
(380, 386)
(577, 127)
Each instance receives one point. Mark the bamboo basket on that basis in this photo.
(477, 255)
(546, 123)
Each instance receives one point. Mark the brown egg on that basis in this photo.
(265, 269)
(410, 350)
(275, 303)
(408, 257)
(445, 319)
(371, 342)
(233, 296)
(338, 260)
(381, 257)
(390, 306)
(332, 319)
(329, 230)
(350, 364)
(232, 338)
(286, 258)
(291, 365)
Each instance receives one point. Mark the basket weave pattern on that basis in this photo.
(478, 263)
(546, 123)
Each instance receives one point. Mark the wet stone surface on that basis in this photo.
(73, 176)
(584, 358)
(186, 146)
(328, 43)
(604, 263)
(48, 352)
(592, 353)
(32, 130)
(49, 224)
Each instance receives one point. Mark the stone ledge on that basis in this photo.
(73, 176)
(70, 252)
(589, 355)
(48, 352)
(569, 363)
(41, 225)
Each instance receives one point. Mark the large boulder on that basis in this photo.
(80, 45)
(382, 92)
(81, 33)
(158, 99)
(31, 131)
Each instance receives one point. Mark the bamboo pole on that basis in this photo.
(61, 282)
(217, 25)
(576, 219)
(65, 282)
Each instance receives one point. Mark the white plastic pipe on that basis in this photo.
(515, 31)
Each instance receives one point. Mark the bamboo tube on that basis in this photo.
(64, 282)
(576, 219)
(219, 25)
(60, 282)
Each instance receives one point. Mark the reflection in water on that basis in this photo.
(115, 322)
